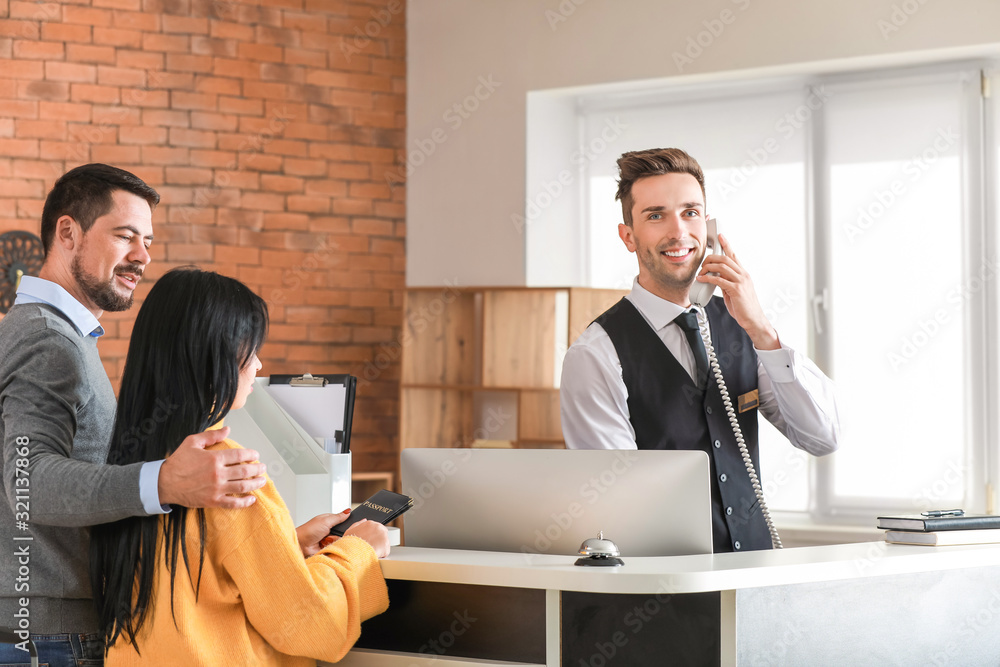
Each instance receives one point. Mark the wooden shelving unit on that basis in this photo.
(483, 364)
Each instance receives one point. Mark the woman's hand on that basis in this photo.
(373, 533)
(314, 534)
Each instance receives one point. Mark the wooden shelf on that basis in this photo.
(484, 363)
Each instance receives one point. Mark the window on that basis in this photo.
(859, 205)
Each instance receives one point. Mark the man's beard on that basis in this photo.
(652, 260)
(103, 293)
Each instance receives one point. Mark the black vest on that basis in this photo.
(668, 411)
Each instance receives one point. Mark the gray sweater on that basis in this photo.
(55, 397)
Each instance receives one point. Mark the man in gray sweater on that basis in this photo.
(57, 411)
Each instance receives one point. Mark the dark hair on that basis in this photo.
(195, 331)
(85, 194)
(652, 162)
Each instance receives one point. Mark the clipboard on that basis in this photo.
(315, 401)
(294, 422)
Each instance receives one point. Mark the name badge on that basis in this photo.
(748, 401)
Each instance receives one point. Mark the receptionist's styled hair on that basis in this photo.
(652, 162)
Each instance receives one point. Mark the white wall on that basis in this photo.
(471, 64)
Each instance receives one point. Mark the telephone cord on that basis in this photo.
(737, 431)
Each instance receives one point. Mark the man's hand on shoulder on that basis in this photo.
(740, 296)
(194, 477)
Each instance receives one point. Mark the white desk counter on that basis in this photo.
(869, 603)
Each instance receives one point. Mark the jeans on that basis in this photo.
(71, 650)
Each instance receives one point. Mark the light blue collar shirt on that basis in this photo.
(39, 290)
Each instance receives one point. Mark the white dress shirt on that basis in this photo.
(795, 395)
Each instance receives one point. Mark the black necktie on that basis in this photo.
(688, 321)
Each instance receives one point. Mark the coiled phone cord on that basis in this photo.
(737, 431)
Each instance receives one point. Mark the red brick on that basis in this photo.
(139, 60)
(136, 21)
(18, 29)
(235, 68)
(181, 252)
(345, 206)
(134, 134)
(166, 118)
(296, 167)
(309, 204)
(167, 43)
(306, 57)
(213, 159)
(217, 85)
(21, 187)
(58, 71)
(264, 201)
(64, 32)
(52, 91)
(118, 37)
(184, 25)
(280, 72)
(40, 129)
(158, 99)
(250, 159)
(118, 76)
(6, 130)
(211, 46)
(21, 69)
(241, 218)
(86, 16)
(116, 115)
(213, 121)
(86, 53)
(165, 155)
(260, 52)
(239, 32)
(19, 148)
(77, 152)
(326, 188)
(191, 215)
(241, 106)
(82, 92)
(254, 15)
(245, 180)
(275, 183)
(302, 130)
(359, 99)
(189, 63)
(329, 225)
(283, 147)
(350, 81)
(34, 50)
(115, 154)
(128, 5)
(191, 138)
(19, 108)
(239, 255)
(35, 11)
(298, 222)
(172, 81)
(202, 101)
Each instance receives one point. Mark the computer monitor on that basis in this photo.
(650, 503)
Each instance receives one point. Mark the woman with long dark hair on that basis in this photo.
(215, 586)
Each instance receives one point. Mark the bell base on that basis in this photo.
(593, 561)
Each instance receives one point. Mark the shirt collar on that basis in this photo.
(658, 311)
(39, 290)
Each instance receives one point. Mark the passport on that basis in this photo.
(382, 507)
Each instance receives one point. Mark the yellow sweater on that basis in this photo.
(261, 602)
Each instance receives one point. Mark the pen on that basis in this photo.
(935, 513)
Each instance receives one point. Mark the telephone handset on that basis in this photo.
(700, 294)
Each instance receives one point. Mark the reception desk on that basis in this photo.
(853, 604)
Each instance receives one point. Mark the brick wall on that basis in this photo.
(268, 127)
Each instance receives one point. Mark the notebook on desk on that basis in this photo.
(650, 503)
